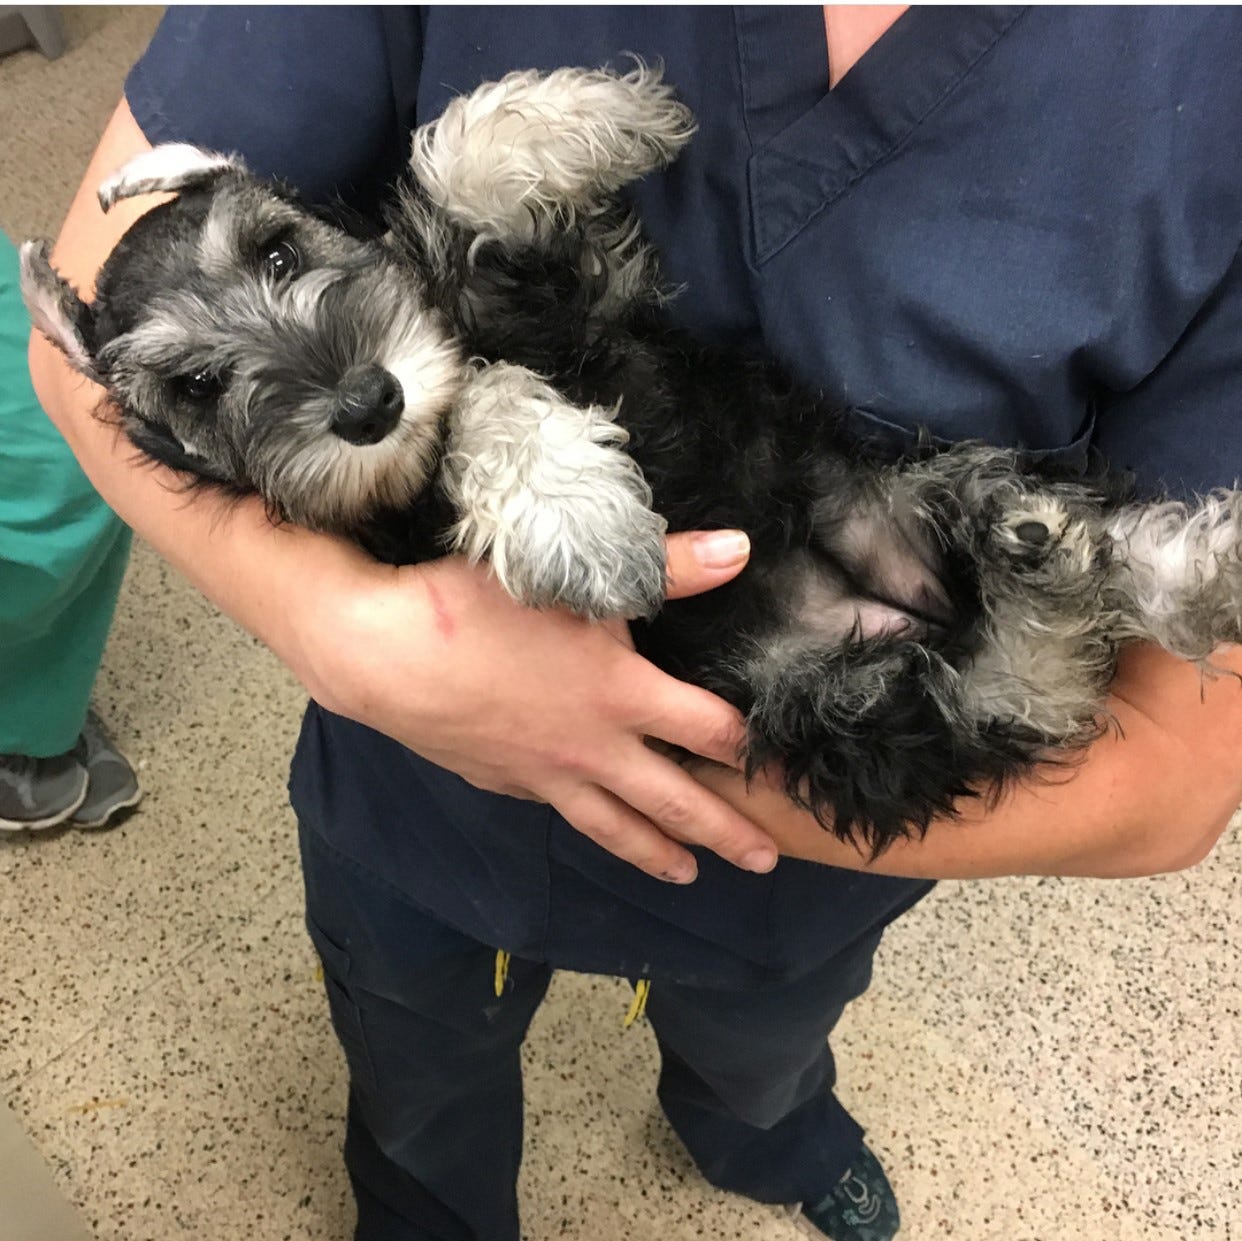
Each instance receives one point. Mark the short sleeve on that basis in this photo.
(307, 94)
(1181, 427)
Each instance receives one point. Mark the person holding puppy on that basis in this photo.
(904, 208)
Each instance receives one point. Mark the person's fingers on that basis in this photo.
(623, 832)
(693, 718)
(507, 790)
(702, 559)
(676, 803)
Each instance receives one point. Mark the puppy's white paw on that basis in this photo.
(533, 150)
(612, 567)
(546, 493)
(1035, 527)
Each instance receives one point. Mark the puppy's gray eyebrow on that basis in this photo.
(237, 224)
(220, 237)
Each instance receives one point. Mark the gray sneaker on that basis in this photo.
(39, 792)
(113, 785)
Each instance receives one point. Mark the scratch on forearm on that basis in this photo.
(446, 626)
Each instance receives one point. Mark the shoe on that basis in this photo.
(113, 785)
(861, 1206)
(39, 792)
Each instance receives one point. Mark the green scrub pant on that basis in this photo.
(62, 557)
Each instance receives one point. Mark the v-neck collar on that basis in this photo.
(809, 144)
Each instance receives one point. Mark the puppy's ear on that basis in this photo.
(56, 310)
(167, 168)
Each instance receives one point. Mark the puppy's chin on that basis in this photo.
(334, 486)
(330, 484)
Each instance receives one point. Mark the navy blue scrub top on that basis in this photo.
(1019, 225)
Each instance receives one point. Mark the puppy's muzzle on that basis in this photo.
(370, 403)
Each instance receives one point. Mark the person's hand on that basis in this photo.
(537, 704)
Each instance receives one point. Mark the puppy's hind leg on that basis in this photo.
(531, 153)
(870, 736)
(545, 491)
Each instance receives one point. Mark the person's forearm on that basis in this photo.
(1148, 797)
(227, 548)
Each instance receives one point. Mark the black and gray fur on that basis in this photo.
(494, 376)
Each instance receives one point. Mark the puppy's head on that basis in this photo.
(246, 340)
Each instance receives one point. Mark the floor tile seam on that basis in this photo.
(113, 1011)
(171, 972)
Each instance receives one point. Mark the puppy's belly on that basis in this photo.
(828, 606)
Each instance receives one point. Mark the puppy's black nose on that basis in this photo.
(369, 405)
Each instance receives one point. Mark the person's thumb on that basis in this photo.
(701, 559)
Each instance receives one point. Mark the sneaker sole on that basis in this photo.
(114, 809)
(55, 820)
(807, 1229)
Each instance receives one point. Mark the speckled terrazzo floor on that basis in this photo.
(1037, 1060)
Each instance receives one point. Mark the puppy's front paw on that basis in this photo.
(614, 570)
(598, 553)
(529, 153)
(547, 494)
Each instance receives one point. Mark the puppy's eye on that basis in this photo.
(200, 386)
(278, 260)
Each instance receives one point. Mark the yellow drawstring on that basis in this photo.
(638, 1005)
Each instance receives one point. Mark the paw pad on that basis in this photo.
(1032, 533)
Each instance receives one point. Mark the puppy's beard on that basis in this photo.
(334, 485)
(330, 484)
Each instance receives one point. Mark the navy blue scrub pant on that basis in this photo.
(434, 1136)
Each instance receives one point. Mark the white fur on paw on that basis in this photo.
(1178, 569)
(546, 493)
(1039, 524)
(532, 150)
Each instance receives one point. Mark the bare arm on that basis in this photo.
(1151, 798)
(436, 655)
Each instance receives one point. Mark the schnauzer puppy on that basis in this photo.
(494, 376)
